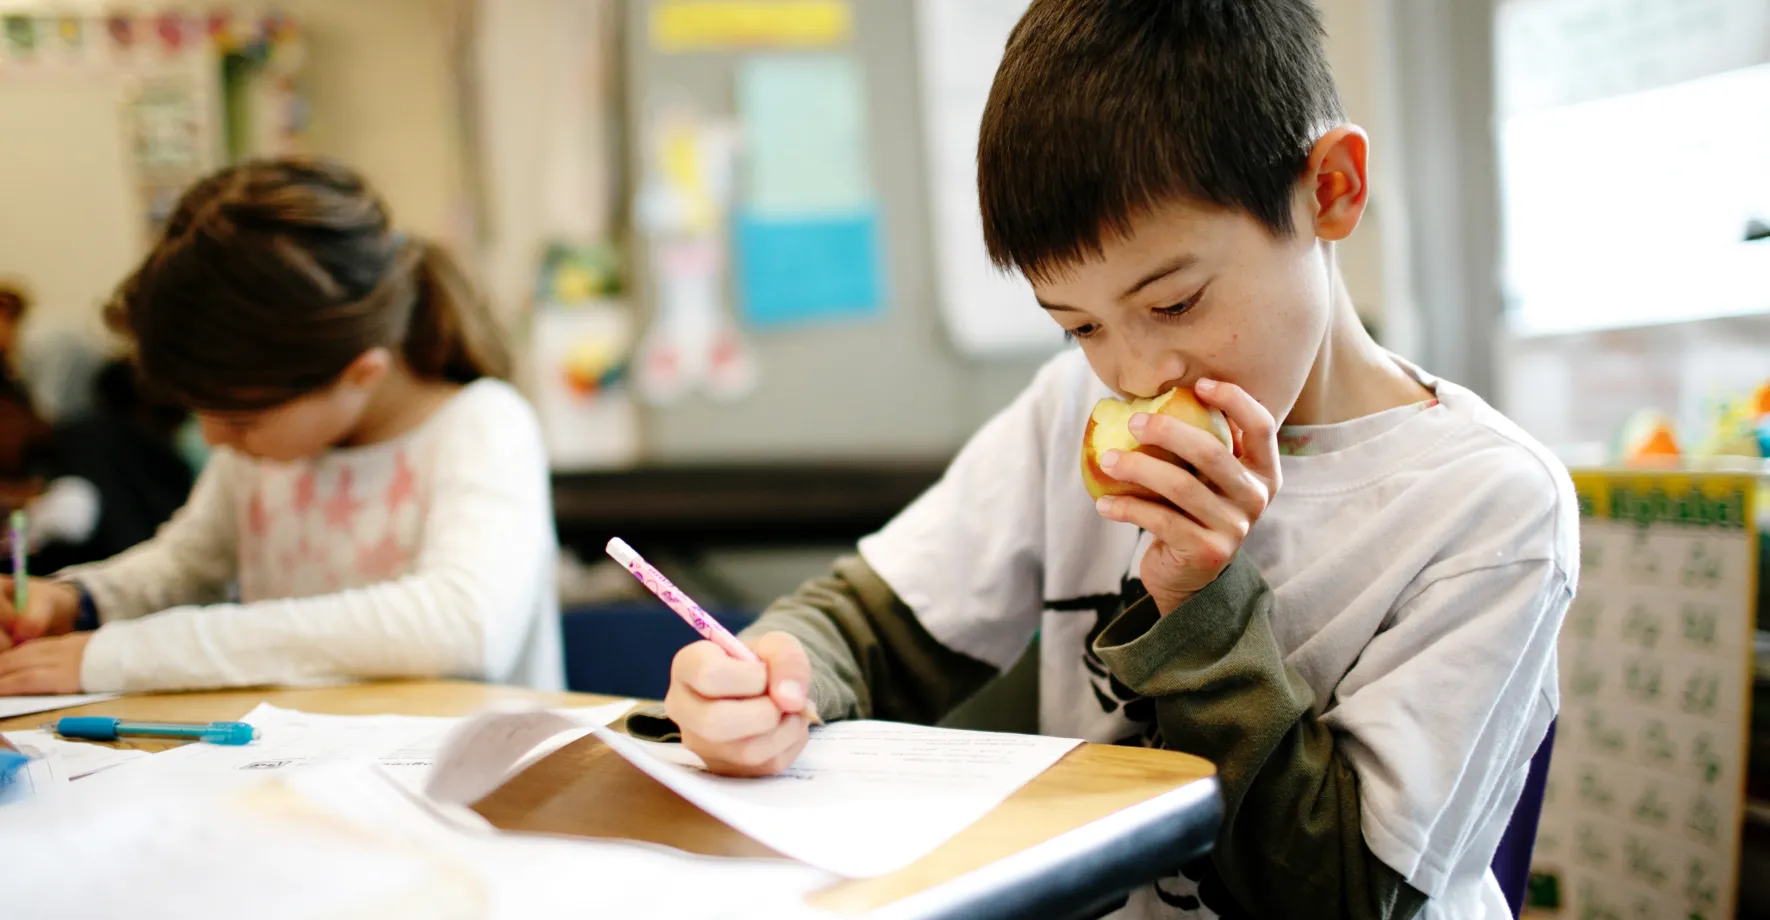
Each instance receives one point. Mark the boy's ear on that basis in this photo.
(1338, 182)
(368, 368)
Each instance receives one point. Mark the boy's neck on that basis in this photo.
(1352, 376)
(401, 403)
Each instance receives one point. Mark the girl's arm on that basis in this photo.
(192, 560)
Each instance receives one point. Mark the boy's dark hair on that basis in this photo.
(272, 276)
(1103, 109)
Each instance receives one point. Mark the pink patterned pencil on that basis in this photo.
(673, 598)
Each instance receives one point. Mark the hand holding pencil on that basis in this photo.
(744, 710)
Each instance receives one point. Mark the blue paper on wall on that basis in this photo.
(799, 269)
(804, 135)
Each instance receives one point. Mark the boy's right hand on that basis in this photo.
(51, 610)
(743, 718)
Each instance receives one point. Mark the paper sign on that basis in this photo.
(711, 25)
(798, 270)
(804, 135)
(1643, 809)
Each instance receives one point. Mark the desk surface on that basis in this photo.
(1101, 821)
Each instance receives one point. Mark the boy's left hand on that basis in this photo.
(1213, 509)
(43, 666)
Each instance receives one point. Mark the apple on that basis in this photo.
(1109, 428)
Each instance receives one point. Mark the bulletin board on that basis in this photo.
(138, 106)
(850, 364)
(1646, 792)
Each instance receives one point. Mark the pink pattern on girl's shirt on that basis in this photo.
(404, 484)
(257, 519)
(306, 490)
(341, 509)
(386, 559)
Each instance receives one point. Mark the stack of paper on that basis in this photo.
(864, 798)
(13, 706)
(374, 806)
(491, 747)
(55, 763)
(348, 840)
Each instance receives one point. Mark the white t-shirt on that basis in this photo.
(426, 556)
(1420, 577)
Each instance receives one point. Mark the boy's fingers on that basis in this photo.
(706, 669)
(1205, 548)
(1259, 432)
(764, 755)
(771, 744)
(1216, 465)
(1186, 491)
(721, 721)
(789, 670)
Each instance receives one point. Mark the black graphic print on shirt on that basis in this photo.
(1196, 891)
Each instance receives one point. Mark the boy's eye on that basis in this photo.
(1179, 308)
(1081, 332)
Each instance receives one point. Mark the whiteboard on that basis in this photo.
(987, 312)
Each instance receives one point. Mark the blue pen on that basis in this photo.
(107, 728)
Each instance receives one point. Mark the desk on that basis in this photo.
(1098, 824)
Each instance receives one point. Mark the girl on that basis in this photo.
(377, 502)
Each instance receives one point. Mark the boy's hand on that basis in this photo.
(744, 718)
(1211, 510)
(53, 607)
(44, 666)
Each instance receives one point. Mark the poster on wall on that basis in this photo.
(693, 343)
(807, 241)
(166, 129)
(1646, 791)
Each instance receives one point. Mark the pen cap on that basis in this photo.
(229, 733)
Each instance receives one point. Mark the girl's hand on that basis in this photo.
(44, 666)
(1212, 509)
(51, 610)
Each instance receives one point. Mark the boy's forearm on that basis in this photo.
(870, 657)
(1291, 842)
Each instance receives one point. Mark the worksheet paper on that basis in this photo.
(348, 840)
(408, 748)
(11, 706)
(56, 762)
(864, 798)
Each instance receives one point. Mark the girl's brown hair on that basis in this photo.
(272, 276)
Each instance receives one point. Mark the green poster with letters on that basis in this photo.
(1646, 792)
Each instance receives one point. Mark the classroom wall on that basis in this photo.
(377, 76)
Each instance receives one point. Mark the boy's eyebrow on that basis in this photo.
(1179, 263)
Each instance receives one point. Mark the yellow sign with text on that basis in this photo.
(720, 25)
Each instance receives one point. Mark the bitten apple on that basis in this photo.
(1109, 429)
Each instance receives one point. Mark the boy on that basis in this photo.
(1360, 635)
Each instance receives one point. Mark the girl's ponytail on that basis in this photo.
(451, 334)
